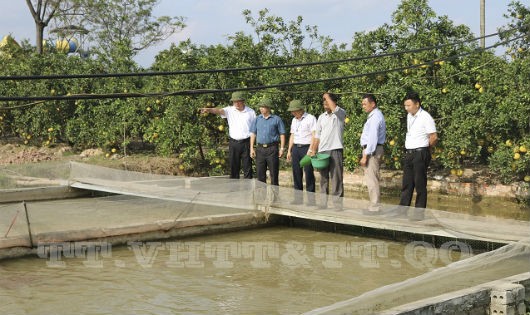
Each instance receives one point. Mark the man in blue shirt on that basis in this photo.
(372, 141)
(268, 133)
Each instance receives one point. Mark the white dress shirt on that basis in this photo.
(239, 121)
(419, 127)
(303, 128)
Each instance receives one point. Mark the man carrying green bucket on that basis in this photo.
(302, 132)
(328, 142)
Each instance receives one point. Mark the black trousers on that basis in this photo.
(268, 158)
(239, 154)
(298, 174)
(415, 166)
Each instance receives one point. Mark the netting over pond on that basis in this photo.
(134, 203)
(22, 176)
(140, 199)
(252, 195)
(483, 269)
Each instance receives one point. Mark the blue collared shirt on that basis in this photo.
(374, 131)
(267, 130)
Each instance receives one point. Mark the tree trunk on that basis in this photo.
(39, 12)
(39, 37)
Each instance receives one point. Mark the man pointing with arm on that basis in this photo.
(239, 117)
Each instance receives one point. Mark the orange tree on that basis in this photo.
(510, 123)
(40, 122)
(199, 141)
(480, 100)
(430, 72)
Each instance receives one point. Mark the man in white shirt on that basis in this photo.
(240, 118)
(420, 139)
(303, 128)
(329, 140)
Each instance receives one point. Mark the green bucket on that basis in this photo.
(320, 161)
(305, 161)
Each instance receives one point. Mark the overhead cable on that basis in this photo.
(228, 90)
(230, 70)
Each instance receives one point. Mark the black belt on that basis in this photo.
(301, 145)
(364, 146)
(417, 149)
(239, 141)
(266, 145)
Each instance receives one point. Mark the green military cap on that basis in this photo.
(265, 102)
(295, 105)
(237, 96)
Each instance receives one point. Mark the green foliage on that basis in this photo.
(511, 161)
(479, 100)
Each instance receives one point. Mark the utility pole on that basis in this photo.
(483, 23)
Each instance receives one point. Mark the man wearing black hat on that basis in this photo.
(239, 117)
(268, 133)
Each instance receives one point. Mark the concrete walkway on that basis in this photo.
(156, 204)
(451, 184)
(253, 195)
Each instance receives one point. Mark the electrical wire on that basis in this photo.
(254, 88)
(230, 70)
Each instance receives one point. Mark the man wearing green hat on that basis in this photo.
(239, 117)
(303, 128)
(267, 132)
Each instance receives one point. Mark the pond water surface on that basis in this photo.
(277, 270)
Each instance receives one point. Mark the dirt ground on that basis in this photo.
(14, 153)
(20, 154)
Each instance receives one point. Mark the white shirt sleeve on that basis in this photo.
(430, 126)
